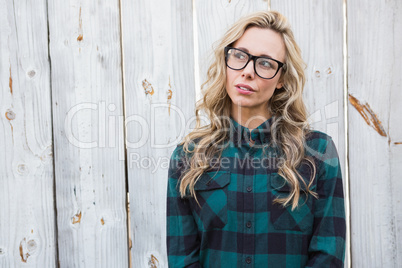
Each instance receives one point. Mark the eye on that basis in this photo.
(238, 55)
(265, 64)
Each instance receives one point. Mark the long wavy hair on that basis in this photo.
(289, 126)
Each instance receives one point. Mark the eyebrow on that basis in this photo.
(262, 55)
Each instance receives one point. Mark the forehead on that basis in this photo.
(261, 41)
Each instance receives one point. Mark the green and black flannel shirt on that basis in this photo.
(239, 225)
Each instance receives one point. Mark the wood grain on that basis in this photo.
(160, 99)
(88, 133)
(374, 45)
(27, 213)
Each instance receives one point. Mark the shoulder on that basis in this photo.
(176, 162)
(179, 161)
(179, 153)
(321, 148)
(318, 142)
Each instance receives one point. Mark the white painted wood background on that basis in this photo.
(375, 132)
(159, 86)
(27, 204)
(86, 81)
(78, 79)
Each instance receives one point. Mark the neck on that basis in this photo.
(249, 118)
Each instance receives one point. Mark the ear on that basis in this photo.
(279, 85)
(280, 82)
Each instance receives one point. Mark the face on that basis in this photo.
(257, 42)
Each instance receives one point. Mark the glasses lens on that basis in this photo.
(266, 67)
(236, 59)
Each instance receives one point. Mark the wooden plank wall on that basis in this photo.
(88, 133)
(78, 78)
(160, 97)
(27, 205)
(375, 132)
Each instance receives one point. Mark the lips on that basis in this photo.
(245, 87)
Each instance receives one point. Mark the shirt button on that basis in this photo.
(248, 224)
(249, 189)
(248, 260)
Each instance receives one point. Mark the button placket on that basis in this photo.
(249, 206)
(254, 135)
(248, 260)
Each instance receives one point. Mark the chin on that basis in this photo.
(243, 104)
(241, 101)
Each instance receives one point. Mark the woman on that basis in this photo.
(255, 187)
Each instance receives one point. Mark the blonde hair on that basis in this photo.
(289, 126)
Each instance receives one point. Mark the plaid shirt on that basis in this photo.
(238, 225)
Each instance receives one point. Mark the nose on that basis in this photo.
(248, 71)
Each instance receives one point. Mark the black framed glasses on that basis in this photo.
(264, 67)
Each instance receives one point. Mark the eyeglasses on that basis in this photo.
(264, 67)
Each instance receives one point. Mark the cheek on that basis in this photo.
(230, 76)
(269, 87)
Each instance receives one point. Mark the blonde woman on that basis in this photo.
(255, 187)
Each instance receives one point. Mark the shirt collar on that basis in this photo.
(260, 135)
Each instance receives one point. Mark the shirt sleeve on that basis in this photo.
(327, 245)
(181, 230)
